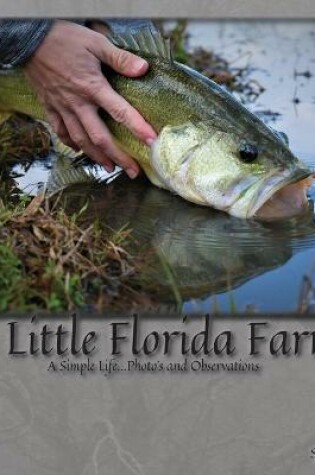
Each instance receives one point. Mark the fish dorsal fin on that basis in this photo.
(147, 42)
(282, 136)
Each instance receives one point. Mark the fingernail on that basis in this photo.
(149, 142)
(132, 173)
(140, 65)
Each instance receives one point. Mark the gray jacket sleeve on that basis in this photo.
(19, 39)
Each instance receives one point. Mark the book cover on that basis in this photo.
(162, 323)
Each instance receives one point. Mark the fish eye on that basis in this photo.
(248, 152)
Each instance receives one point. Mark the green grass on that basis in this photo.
(55, 261)
(11, 277)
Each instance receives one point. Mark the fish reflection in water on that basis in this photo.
(198, 251)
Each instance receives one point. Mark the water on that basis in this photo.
(205, 260)
(278, 53)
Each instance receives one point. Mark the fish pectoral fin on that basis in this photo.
(64, 174)
(146, 41)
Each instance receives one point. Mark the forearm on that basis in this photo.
(19, 39)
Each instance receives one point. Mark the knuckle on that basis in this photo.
(99, 141)
(69, 101)
(78, 83)
(119, 114)
(79, 140)
(88, 87)
(121, 59)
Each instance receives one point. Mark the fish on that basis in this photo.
(210, 149)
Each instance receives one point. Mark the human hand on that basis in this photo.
(65, 72)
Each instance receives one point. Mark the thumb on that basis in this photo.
(121, 61)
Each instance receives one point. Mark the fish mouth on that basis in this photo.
(279, 195)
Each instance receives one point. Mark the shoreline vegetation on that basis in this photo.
(51, 260)
(54, 260)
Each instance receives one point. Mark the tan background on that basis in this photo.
(162, 8)
(156, 425)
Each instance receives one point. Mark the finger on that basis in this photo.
(121, 111)
(60, 129)
(101, 138)
(82, 141)
(121, 61)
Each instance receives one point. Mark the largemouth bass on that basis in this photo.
(210, 149)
